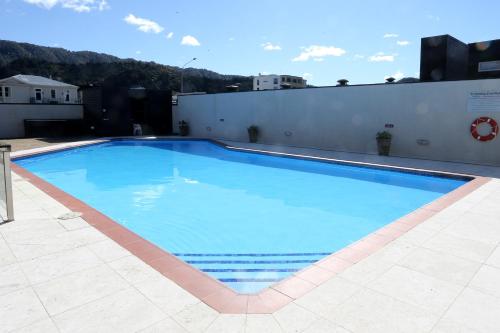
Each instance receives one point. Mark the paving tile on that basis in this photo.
(393, 252)
(417, 236)
(196, 318)
(76, 289)
(293, 318)
(487, 280)
(259, 323)
(133, 269)
(369, 311)
(324, 299)
(6, 255)
(494, 258)
(416, 288)
(49, 267)
(108, 250)
(446, 326)
(477, 227)
(11, 279)
(294, 287)
(44, 326)
(74, 224)
(228, 323)
(165, 294)
(461, 247)
(367, 270)
(165, 326)
(476, 310)
(324, 326)
(125, 311)
(20, 308)
(441, 266)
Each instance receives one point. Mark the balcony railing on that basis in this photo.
(33, 100)
(6, 203)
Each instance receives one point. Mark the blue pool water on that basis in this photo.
(246, 219)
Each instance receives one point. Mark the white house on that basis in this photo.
(23, 89)
(273, 81)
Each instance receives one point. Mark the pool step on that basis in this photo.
(250, 272)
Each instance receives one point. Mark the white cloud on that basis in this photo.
(307, 76)
(268, 46)
(398, 75)
(319, 59)
(381, 56)
(433, 18)
(359, 56)
(138, 52)
(190, 41)
(391, 35)
(231, 39)
(317, 52)
(403, 42)
(76, 5)
(170, 35)
(143, 24)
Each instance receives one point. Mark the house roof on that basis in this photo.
(34, 80)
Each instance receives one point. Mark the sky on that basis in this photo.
(363, 41)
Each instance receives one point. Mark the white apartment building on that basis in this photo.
(31, 89)
(273, 81)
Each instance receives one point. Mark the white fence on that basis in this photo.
(430, 120)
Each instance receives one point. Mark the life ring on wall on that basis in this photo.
(493, 129)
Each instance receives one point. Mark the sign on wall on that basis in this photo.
(484, 101)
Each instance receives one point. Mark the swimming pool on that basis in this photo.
(248, 220)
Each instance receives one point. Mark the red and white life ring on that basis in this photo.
(493, 129)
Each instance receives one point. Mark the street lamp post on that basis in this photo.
(182, 73)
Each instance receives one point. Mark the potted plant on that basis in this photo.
(183, 128)
(384, 139)
(253, 133)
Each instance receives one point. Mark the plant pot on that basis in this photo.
(252, 136)
(384, 146)
(184, 130)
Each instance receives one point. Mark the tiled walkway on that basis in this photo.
(63, 275)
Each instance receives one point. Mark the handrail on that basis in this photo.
(6, 200)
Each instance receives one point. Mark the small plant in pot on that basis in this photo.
(384, 143)
(183, 128)
(253, 133)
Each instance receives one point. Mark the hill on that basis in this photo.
(86, 67)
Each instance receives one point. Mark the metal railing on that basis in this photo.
(6, 202)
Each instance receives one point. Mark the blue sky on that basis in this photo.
(325, 40)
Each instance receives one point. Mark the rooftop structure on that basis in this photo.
(273, 82)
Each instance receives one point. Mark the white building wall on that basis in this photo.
(266, 82)
(348, 118)
(24, 93)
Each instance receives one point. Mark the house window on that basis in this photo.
(283, 79)
(1, 91)
(67, 96)
(53, 93)
(6, 91)
(288, 79)
(258, 82)
(294, 80)
(38, 94)
(275, 81)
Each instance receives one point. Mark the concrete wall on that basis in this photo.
(12, 116)
(348, 118)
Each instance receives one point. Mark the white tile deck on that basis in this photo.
(64, 276)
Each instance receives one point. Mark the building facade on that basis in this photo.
(31, 89)
(273, 82)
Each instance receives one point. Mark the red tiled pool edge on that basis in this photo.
(220, 297)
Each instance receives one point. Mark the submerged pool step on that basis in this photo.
(250, 272)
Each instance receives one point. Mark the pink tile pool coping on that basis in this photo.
(214, 293)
